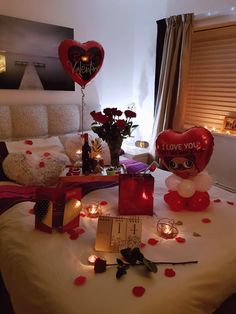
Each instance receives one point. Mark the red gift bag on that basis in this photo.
(136, 194)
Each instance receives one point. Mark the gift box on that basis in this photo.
(136, 194)
(57, 208)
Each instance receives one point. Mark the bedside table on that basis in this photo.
(138, 154)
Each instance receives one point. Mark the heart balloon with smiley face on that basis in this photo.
(185, 154)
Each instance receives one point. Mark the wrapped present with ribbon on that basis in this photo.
(57, 208)
(136, 194)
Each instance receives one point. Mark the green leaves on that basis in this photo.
(133, 257)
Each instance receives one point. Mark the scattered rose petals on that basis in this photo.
(152, 241)
(28, 142)
(230, 203)
(179, 223)
(82, 214)
(28, 152)
(180, 239)
(138, 291)
(169, 272)
(217, 200)
(41, 164)
(103, 203)
(206, 220)
(31, 211)
(46, 154)
(195, 234)
(142, 245)
(80, 280)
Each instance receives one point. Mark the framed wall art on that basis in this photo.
(29, 55)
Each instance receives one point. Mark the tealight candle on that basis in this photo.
(94, 210)
(166, 228)
(92, 259)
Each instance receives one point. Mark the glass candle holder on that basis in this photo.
(92, 258)
(166, 228)
(93, 209)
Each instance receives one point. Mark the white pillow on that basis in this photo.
(34, 169)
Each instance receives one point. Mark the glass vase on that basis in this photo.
(114, 148)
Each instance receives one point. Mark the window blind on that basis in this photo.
(211, 87)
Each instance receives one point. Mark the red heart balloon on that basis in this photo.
(185, 154)
(81, 61)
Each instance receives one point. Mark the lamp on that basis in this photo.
(3, 67)
(141, 144)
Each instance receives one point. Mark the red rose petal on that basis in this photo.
(82, 214)
(41, 164)
(138, 291)
(206, 220)
(46, 154)
(31, 211)
(103, 203)
(28, 142)
(180, 239)
(80, 280)
(152, 241)
(230, 203)
(142, 245)
(217, 200)
(169, 272)
(28, 152)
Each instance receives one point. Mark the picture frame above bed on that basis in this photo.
(29, 55)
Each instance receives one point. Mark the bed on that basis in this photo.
(40, 270)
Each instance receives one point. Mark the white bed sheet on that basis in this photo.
(39, 268)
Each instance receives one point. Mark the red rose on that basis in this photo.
(130, 114)
(108, 111)
(120, 124)
(99, 117)
(100, 265)
(118, 113)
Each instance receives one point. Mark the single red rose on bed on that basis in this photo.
(100, 265)
(80, 280)
(28, 142)
(169, 272)
(138, 291)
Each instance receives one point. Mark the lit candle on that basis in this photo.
(79, 152)
(94, 210)
(92, 259)
(166, 228)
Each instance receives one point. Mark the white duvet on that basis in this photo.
(39, 269)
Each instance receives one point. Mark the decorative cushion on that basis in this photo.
(29, 120)
(63, 119)
(5, 122)
(34, 169)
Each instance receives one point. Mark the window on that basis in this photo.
(211, 86)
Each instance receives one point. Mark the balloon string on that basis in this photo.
(83, 103)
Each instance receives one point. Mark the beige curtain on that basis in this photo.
(174, 66)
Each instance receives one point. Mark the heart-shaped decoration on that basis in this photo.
(185, 154)
(82, 61)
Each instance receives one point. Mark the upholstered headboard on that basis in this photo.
(21, 121)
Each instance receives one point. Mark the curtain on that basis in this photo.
(172, 74)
